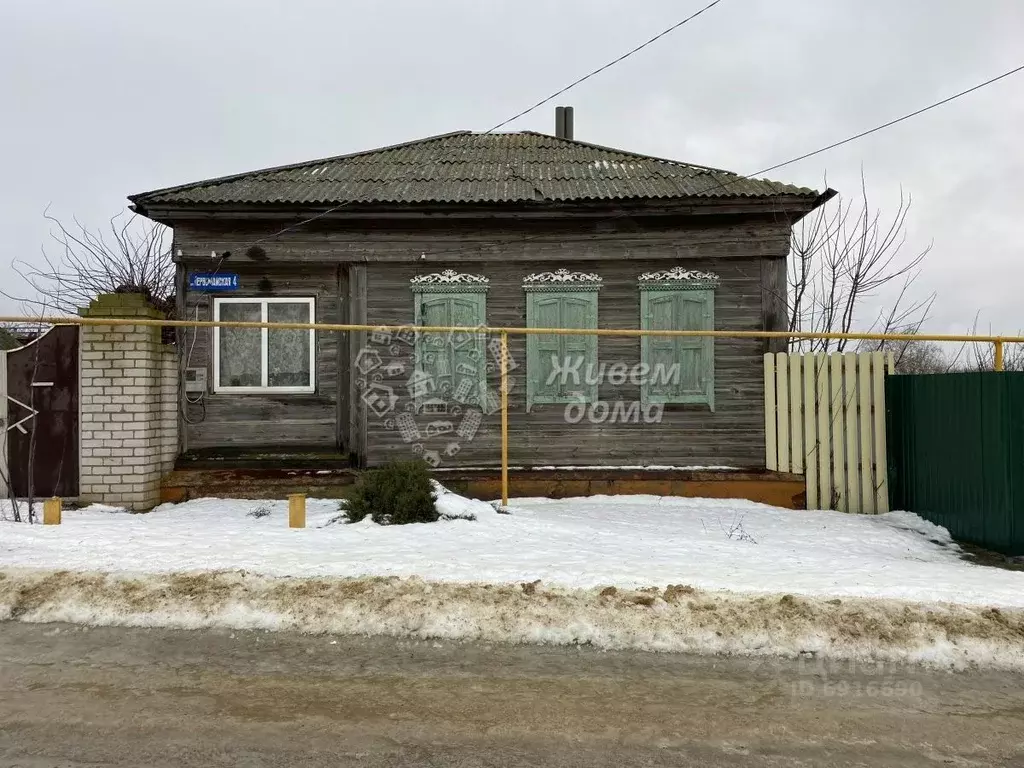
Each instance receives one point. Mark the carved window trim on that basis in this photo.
(678, 279)
(561, 280)
(449, 281)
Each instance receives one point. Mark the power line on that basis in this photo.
(300, 223)
(601, 69)
(868, 132)
(737, 177)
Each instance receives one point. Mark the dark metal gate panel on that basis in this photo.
(42, 415)
(956, 454)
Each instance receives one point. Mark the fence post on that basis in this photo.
(297, 510)
(998, 344)
(504, 418)
(51, 511)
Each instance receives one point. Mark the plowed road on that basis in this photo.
(73, 696)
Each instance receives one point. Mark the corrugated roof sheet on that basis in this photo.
(469, 167)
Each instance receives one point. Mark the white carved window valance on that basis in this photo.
(678, 279)
(562, 280)
(449, 281)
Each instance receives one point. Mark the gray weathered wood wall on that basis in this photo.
(687, 435)
(265, 420)
(349, 266)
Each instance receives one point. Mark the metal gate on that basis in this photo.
(39, 410)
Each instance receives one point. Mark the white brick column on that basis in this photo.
(127, 399)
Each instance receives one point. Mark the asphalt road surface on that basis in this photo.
(72, 696)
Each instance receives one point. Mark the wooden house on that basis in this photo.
(469, 229)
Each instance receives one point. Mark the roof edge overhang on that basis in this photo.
(792, 207)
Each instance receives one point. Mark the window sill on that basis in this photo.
(681, 407)
(264, 391)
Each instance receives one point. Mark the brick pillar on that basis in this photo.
(170, 403)
(124, 379)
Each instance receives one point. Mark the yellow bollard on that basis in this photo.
(297, 510)
(51, 511)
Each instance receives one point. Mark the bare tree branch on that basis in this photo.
(982, 355)
(842, 255)
(131, 257)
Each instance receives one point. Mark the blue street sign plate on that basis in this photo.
(213, 281)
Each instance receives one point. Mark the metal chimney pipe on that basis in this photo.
(560, 122)
(567, 127)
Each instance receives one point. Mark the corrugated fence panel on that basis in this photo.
(823, 439)
(796, 429)
(878, 463)
(809, 407)
(838, 424)
(771, 417)
(825, 418)
(784, 428)
(956, 454)
(852, 444)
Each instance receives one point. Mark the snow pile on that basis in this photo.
(451, 506)
(677, 618)
(625, 541)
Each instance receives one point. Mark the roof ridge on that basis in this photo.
(640, 155)
(292, 166)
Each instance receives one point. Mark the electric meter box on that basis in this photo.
(195, 380)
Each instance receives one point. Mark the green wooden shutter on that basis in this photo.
(579, 310)
(691, 352)
(469, 366)
(432, 351)
(547, 355)
(693, 381)
(660, 353)
(454, 361)
(543, 353)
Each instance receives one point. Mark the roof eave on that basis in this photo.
(817, 202)
(793, 205)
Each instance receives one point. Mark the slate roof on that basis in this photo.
(466, 167)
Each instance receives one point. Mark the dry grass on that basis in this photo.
(677, 618)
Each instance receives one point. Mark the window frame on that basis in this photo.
(264, 302)
(562, 284)
(676, 283)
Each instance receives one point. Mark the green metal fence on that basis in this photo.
(956, 454)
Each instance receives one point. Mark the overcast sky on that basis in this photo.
(104, 98)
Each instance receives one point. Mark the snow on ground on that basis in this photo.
(626, 541)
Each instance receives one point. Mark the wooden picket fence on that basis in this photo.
(825, 419)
